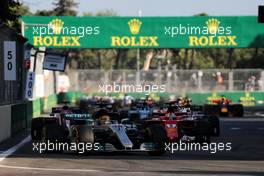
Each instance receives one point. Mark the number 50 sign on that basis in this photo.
(10, 60)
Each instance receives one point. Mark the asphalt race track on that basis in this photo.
(245, 158)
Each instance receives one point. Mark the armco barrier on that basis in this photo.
(5, 122)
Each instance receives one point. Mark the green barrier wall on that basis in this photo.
(69, 97)
(36, 106)
(249, 98)
(134, 94)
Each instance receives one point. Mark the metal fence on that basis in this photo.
(176, 81)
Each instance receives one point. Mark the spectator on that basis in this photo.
(219, 78)
(194, 80)
(251, 84)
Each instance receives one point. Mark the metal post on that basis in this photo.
(230, 80)
(23, 28)
(168, 79)
(200, 75)
(138, 50)
(138, 58)
(262, 81)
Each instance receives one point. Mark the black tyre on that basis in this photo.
(54, 133)
(83, 134)
(210, 109)
(157, 135)
(237, 110)
(215, 125)
(36, 128)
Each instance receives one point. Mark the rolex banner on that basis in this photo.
(143, 32)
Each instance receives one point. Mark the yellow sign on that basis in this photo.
(134, 26)
(134, 41)
(66, 41)
(212, 25)
(248, 100)
(213, 40)
(56, 41)
(56, 25)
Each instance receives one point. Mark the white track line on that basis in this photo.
(49, 169)
(14, 148)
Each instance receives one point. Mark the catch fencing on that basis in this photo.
(175, 81)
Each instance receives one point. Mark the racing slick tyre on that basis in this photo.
(157, 135)
(237, 110)
(215, 125)
(54, 133)
(83, 134)
(51, 135)
(36, 128)
(210, 109)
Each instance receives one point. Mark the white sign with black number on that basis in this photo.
(9, 60)
(30, 85)
(54, 62)
(27, 54)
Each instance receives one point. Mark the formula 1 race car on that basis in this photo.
(142, 127)
(102, 127)
(181, 122)
(180, 119)
(223, 107)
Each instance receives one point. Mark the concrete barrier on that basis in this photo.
(5, 122)
(18, 117)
